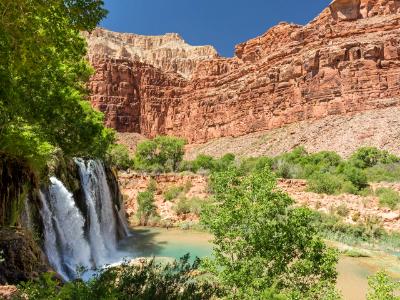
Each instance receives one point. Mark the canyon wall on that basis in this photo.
(347, 60)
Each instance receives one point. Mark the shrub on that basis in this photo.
(388, 198)
(173, 192)
(152, 185)
(368, 231)
(356, 176)
(342, 210)
(119, 156)
(205, 162)
(146, 207)
(381, 287)
(188, 185)
(284, 169)
(349, 188)
(251, 164)
(224, 162)
(325, 183)
(146, 279)
(189, 205)
(356, 216)
(367, 157)
(381, 172)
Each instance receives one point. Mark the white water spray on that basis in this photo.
(73, 240)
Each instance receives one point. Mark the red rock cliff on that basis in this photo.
(346, 60)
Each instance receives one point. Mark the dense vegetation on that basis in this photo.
(326, 172)
(144, 280)
(43, 75)
(367, 232)
(146, 212)
(262, 244)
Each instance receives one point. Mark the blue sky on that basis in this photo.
(220, 23)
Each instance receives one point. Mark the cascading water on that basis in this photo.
(102, 227)
(72, 240)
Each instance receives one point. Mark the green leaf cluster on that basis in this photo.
(388, 197)
(261, 242)
(43, 77)
(146, 279)
(146, 207)
(381, 287)
(161, 154)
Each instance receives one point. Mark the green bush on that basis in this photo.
(173, 192)
(367, 157)
(325, 184)
(381, 172)
(205, 162)
(146, 207)
(356, 176)
(143, 280)
(368, 231)
(208, 163)
(381, 287)
(251, 164)
(119, 156)
(287, 170)
(152, 185)
(162, 154)
(342, 210)
(189, 205)
(388, 198)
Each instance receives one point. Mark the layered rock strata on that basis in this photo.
(344, 61)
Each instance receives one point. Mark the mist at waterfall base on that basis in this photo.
(88, 241)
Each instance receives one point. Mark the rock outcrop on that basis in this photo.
(347, 60)
(22, 259)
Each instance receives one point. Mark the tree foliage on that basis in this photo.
(381, 287)
(119, 156)
(43, 75)
(141, 280)
(163, 153)
(262, 241)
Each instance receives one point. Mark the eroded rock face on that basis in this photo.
(168, 52)
(344, 61)
(22, 259)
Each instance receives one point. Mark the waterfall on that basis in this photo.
(102, 226)
(50, 238)
(73, 240)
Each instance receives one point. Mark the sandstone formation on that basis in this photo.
(359, 207)
(347, 60)
(343, 134)
(195, 186)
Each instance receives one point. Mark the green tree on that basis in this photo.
(381, 287)
(367, 157)
(163, 152)
(261, 241)
(120, 157)
(43, 75)
(146, 206)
